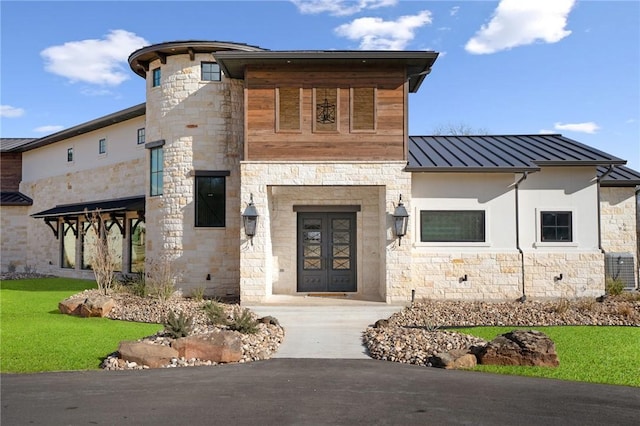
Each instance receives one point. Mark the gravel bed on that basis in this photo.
(416, 333)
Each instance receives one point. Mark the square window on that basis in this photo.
(210, 201)
(69, 155)
(210, 71)
(156, 78)
(460, 226)
(556, 227)
(102, 146)
(141, 136)
(156, 168)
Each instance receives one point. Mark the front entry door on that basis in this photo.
(326, 252)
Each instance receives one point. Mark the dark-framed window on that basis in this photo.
(210, 71)
(141, 136)
(102, 146)
(69, 155)
(463, 226)
(68, 252)
(156, 77)
(137, 244)
(556, 226)
(156, 168)
(210, 198)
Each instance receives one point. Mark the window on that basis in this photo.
(68, 245)
(156, 170)
(90, 240)
(556, 227)
(288, 101)
(210, 71)
(156, 78)
(102, 146)
(452, 226)
(210, 199)
(363, 108)
(141, 136)
(137, 245)
(69, 155)
(326, 110)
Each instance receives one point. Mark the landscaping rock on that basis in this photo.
(381, 323)
(218, 346)
(269, 320)
(97, 306)
(70, 306)
(520, 347)
(454, 360)
(154, 356)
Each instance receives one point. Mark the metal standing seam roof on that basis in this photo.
(501, 153)
(13, 144)
(14, 198)
(620, 176)
(104, 206)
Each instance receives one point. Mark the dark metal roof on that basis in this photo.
(501, 153)
(140, 59)
(417, 63)
(620, 176)
(104, 206)
(14, 198)
(13, 144)
(89, 126)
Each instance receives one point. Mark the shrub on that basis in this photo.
(197, 293)
(103, 262)
(561, 306)
(178, 326)
(29, 269)
(243, 321)
(215, 313)
(613, 286)
(160, 280)
(11, 268)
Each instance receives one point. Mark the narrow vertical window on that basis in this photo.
(156, 170)
(68, 246)
(137, 245)
(102, 146)
(69, 155)
(156, 77)
(363, 108)
(141, 136)
(288, 100)
(210, 201)
(209, 71)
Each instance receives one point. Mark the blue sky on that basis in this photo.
(505, 67)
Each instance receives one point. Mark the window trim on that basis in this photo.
(202, 71)
(156, 79)
(300, 95)
(551, 243)
(102, 146)
(485, 229)
(352, 106)
(203, 174)
(141, 140)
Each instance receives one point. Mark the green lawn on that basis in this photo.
(587, 354)
(34, 336)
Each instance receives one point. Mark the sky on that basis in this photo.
(505, 67)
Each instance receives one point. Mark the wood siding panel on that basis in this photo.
(385, 143)
(10, 170)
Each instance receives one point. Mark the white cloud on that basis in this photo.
(9, 111)
(588, 127)
(378, 34)
(631, 120)
(547, 132)
(340, 7)
(101, 62)
(48, 129)
(454, 10)
(90, 91)
(522, 22)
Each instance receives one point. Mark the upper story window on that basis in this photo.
(141, 136)
(210, 71)
(460, 226)
(556, 226)
(363, 108)
(156, 77)
(69, 155)
(326, 109)
(288, 109)
(102, 146)
(156, 168)
(210, 198)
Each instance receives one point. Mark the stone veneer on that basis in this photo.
(13, 237)
(202, 126)
(277, 186)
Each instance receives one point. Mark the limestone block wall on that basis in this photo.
(490, 276)
(324, 183)
(13, 237)
(619, 220)
(201, 123)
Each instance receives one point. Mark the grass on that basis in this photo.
(592, 354)
(35, 337)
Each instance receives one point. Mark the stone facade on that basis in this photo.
(13, 237)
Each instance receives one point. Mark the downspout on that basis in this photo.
(517, 185)
(598, 180)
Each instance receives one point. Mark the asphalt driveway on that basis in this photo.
(309, 392)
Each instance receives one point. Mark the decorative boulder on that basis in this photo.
(154, 356)
(454, 360)
(97, 306)
(70, 306)
(218, 346)
(520, 347)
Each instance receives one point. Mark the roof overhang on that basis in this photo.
(14, 198)
(104, 206)
(416, 63)
(471, 169)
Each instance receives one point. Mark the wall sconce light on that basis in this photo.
(463, 278)
(558, 278)
(400, 220)
(250, 219)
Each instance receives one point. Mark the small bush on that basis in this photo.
(178, 326)
(613, 286)
(215, 313)
(561, 306)
(29, 269)
(11, 268)
(586, 304)
(197, 293)
(160, 280)
(243, 321)
(625, 310)
(138, 285)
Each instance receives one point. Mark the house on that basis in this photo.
(260, 173)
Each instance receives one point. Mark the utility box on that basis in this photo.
(621, 266)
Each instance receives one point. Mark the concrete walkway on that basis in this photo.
(319, 327)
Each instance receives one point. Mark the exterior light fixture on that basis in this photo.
(326, 111)
(250, 219)
(400, 220)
